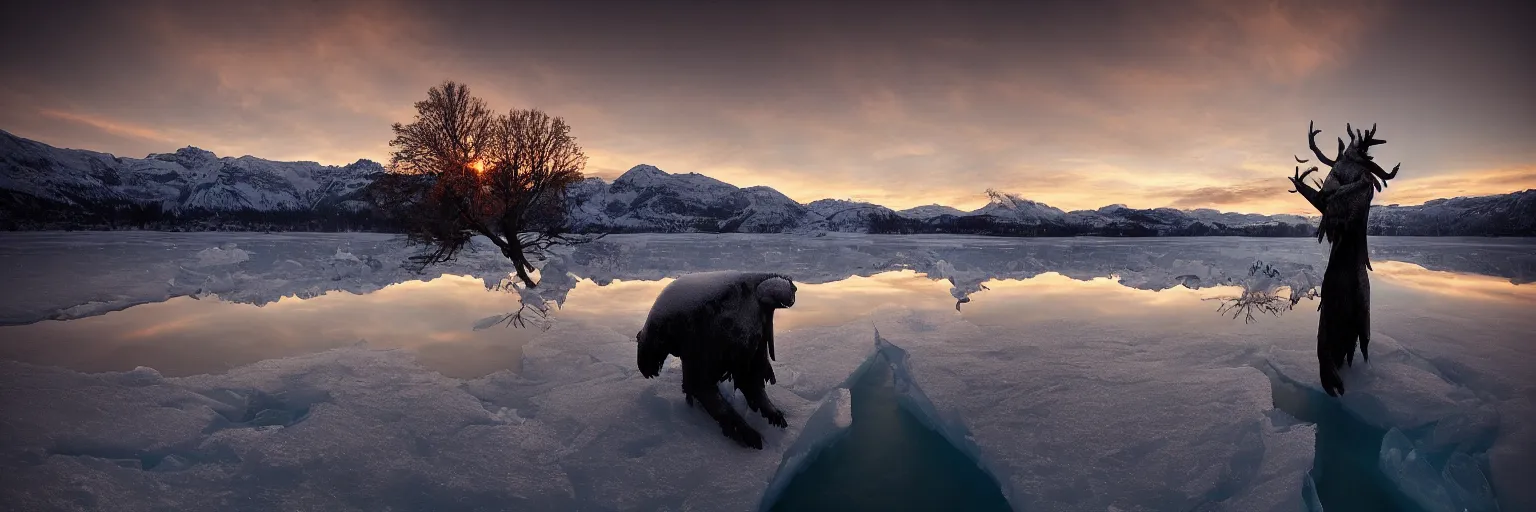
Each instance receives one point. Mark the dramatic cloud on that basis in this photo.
(1457, 184)
(1227, 196)
(1197, 103)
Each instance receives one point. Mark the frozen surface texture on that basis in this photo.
(1436, 428)
(363, 429)
(1068, 423)
(1064, 416)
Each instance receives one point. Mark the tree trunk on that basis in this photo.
(514, 251)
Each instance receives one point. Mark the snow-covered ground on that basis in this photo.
(1081, 374)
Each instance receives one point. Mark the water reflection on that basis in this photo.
(622, 305)
(1454, 284)
(438, 319)
(1053, 297)
(185, 336)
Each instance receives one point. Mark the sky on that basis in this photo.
(1189, 104)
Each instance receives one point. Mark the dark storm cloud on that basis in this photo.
(1076, 104)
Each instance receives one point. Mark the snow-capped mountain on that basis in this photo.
(1012, 208)
(1501, 215)
(929, 211)
(43, 187)
(36, 176)
(847, 216)
(647, 199)
(650, 200)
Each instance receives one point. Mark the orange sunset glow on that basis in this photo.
(1185, 104)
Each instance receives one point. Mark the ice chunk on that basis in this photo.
(345, 256)
(1411, 473)
(1063, 423)
(888, 458)
(1398, 389)
(1468, 486)
(827, 425)
(1284, 469)
(1432, 424)
(228, 254)
(1309, 497)
(843, 417)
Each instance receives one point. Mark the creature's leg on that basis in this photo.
(1365, 317)
(766, 369)
(757, 399)
(1327, 362)
(703, 388)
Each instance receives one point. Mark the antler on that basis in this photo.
(1369, 138)
(1312, 142)
(1297, 178)
(1383, 175)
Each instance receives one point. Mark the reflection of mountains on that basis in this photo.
(1291, 266)
(269, 267)
(1256, 265)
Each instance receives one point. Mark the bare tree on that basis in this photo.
(458, 171)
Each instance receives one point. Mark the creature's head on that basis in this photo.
(1354, 159)
(1360, 142)
(776, 292)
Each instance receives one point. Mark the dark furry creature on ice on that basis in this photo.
(1344, 200)
(720, 324)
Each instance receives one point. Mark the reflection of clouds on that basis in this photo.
(620, 305)
(1053, 296)
(1049, 296)
(839, 302)
(1453, 284)
(186, 336)
(435, 319)
(623, 305)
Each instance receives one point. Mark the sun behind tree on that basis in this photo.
(458, 171)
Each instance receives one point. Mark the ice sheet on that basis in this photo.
(1434, 426)
(363, 429)
(1064, 424)
(1067, 418)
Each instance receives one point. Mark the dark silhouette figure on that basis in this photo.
(720, 324)
(1344, 200)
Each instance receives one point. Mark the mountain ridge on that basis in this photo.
(44, 187)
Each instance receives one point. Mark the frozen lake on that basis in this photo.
(146, 371)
